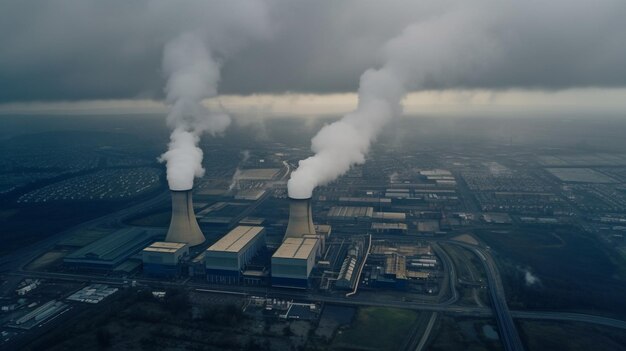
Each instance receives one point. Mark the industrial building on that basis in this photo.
(293, 261)
(226, 259)
(47, 311)
(112, 250)
(94, 293)
(163, 258)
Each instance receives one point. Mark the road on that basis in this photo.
(508, 332)
(570, 317)
(429, 329)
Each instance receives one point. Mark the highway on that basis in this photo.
(429, 329)
(508, 332)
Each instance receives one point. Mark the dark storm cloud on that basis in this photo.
(87, 49)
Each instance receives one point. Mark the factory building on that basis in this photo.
(226, 259)
(112, 250)
(293, 261)
(164, 259)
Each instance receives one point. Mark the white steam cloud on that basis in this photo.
(444, 49)
(530, 278)
(193, 75)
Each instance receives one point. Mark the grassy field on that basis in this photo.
(462, 334)
(376, 328)
(83, 237)
(575, 271)
(46, 259)
(158, 219)
(548, 336)
(25, 225)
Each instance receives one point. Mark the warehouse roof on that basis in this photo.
(398, 216)
(300, 248)
(165, 246)
(114, 247)
(236, 239)
(350, 211)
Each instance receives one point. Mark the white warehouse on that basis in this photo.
(163, 258)
(226, 259)
(293, 261)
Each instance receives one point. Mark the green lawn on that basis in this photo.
(376, 328)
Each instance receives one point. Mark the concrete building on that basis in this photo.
(300, 218)
(293, 261)
(112, 250)
(183, 225)
(226, 259)
(163, 258)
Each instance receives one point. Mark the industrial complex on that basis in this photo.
(402, 241)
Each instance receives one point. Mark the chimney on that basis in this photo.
(183, 226)
(300, 218)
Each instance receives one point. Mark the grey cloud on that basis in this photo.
(69, 50)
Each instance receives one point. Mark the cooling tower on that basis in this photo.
(183, 226)
(300, 218)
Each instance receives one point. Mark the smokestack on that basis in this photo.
(300, 218)
(183, 226)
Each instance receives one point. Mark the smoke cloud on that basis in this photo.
(410, 60)
(193, 75)
(192, 69)
(529, 278)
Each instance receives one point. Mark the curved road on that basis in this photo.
(508, 332)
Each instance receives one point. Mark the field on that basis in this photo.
(83, 237)
(574, 271)
(155, 219)
(552, 336)
(376, 328)
(462, 334)
(46, 259)
(28, 224)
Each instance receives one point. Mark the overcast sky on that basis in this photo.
(100, 50)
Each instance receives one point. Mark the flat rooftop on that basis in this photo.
(299, 248)
(236, 239)
(164, 246)
(389, 226)
(350, 212)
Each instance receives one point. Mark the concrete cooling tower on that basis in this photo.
(183, 226)
(300, 218)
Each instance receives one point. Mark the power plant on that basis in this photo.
(183, 225)
(300, 218)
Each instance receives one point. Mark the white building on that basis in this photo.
(293, 261)
(225, 260)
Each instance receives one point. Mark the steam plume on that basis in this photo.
(441, 49)
(193, 75)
